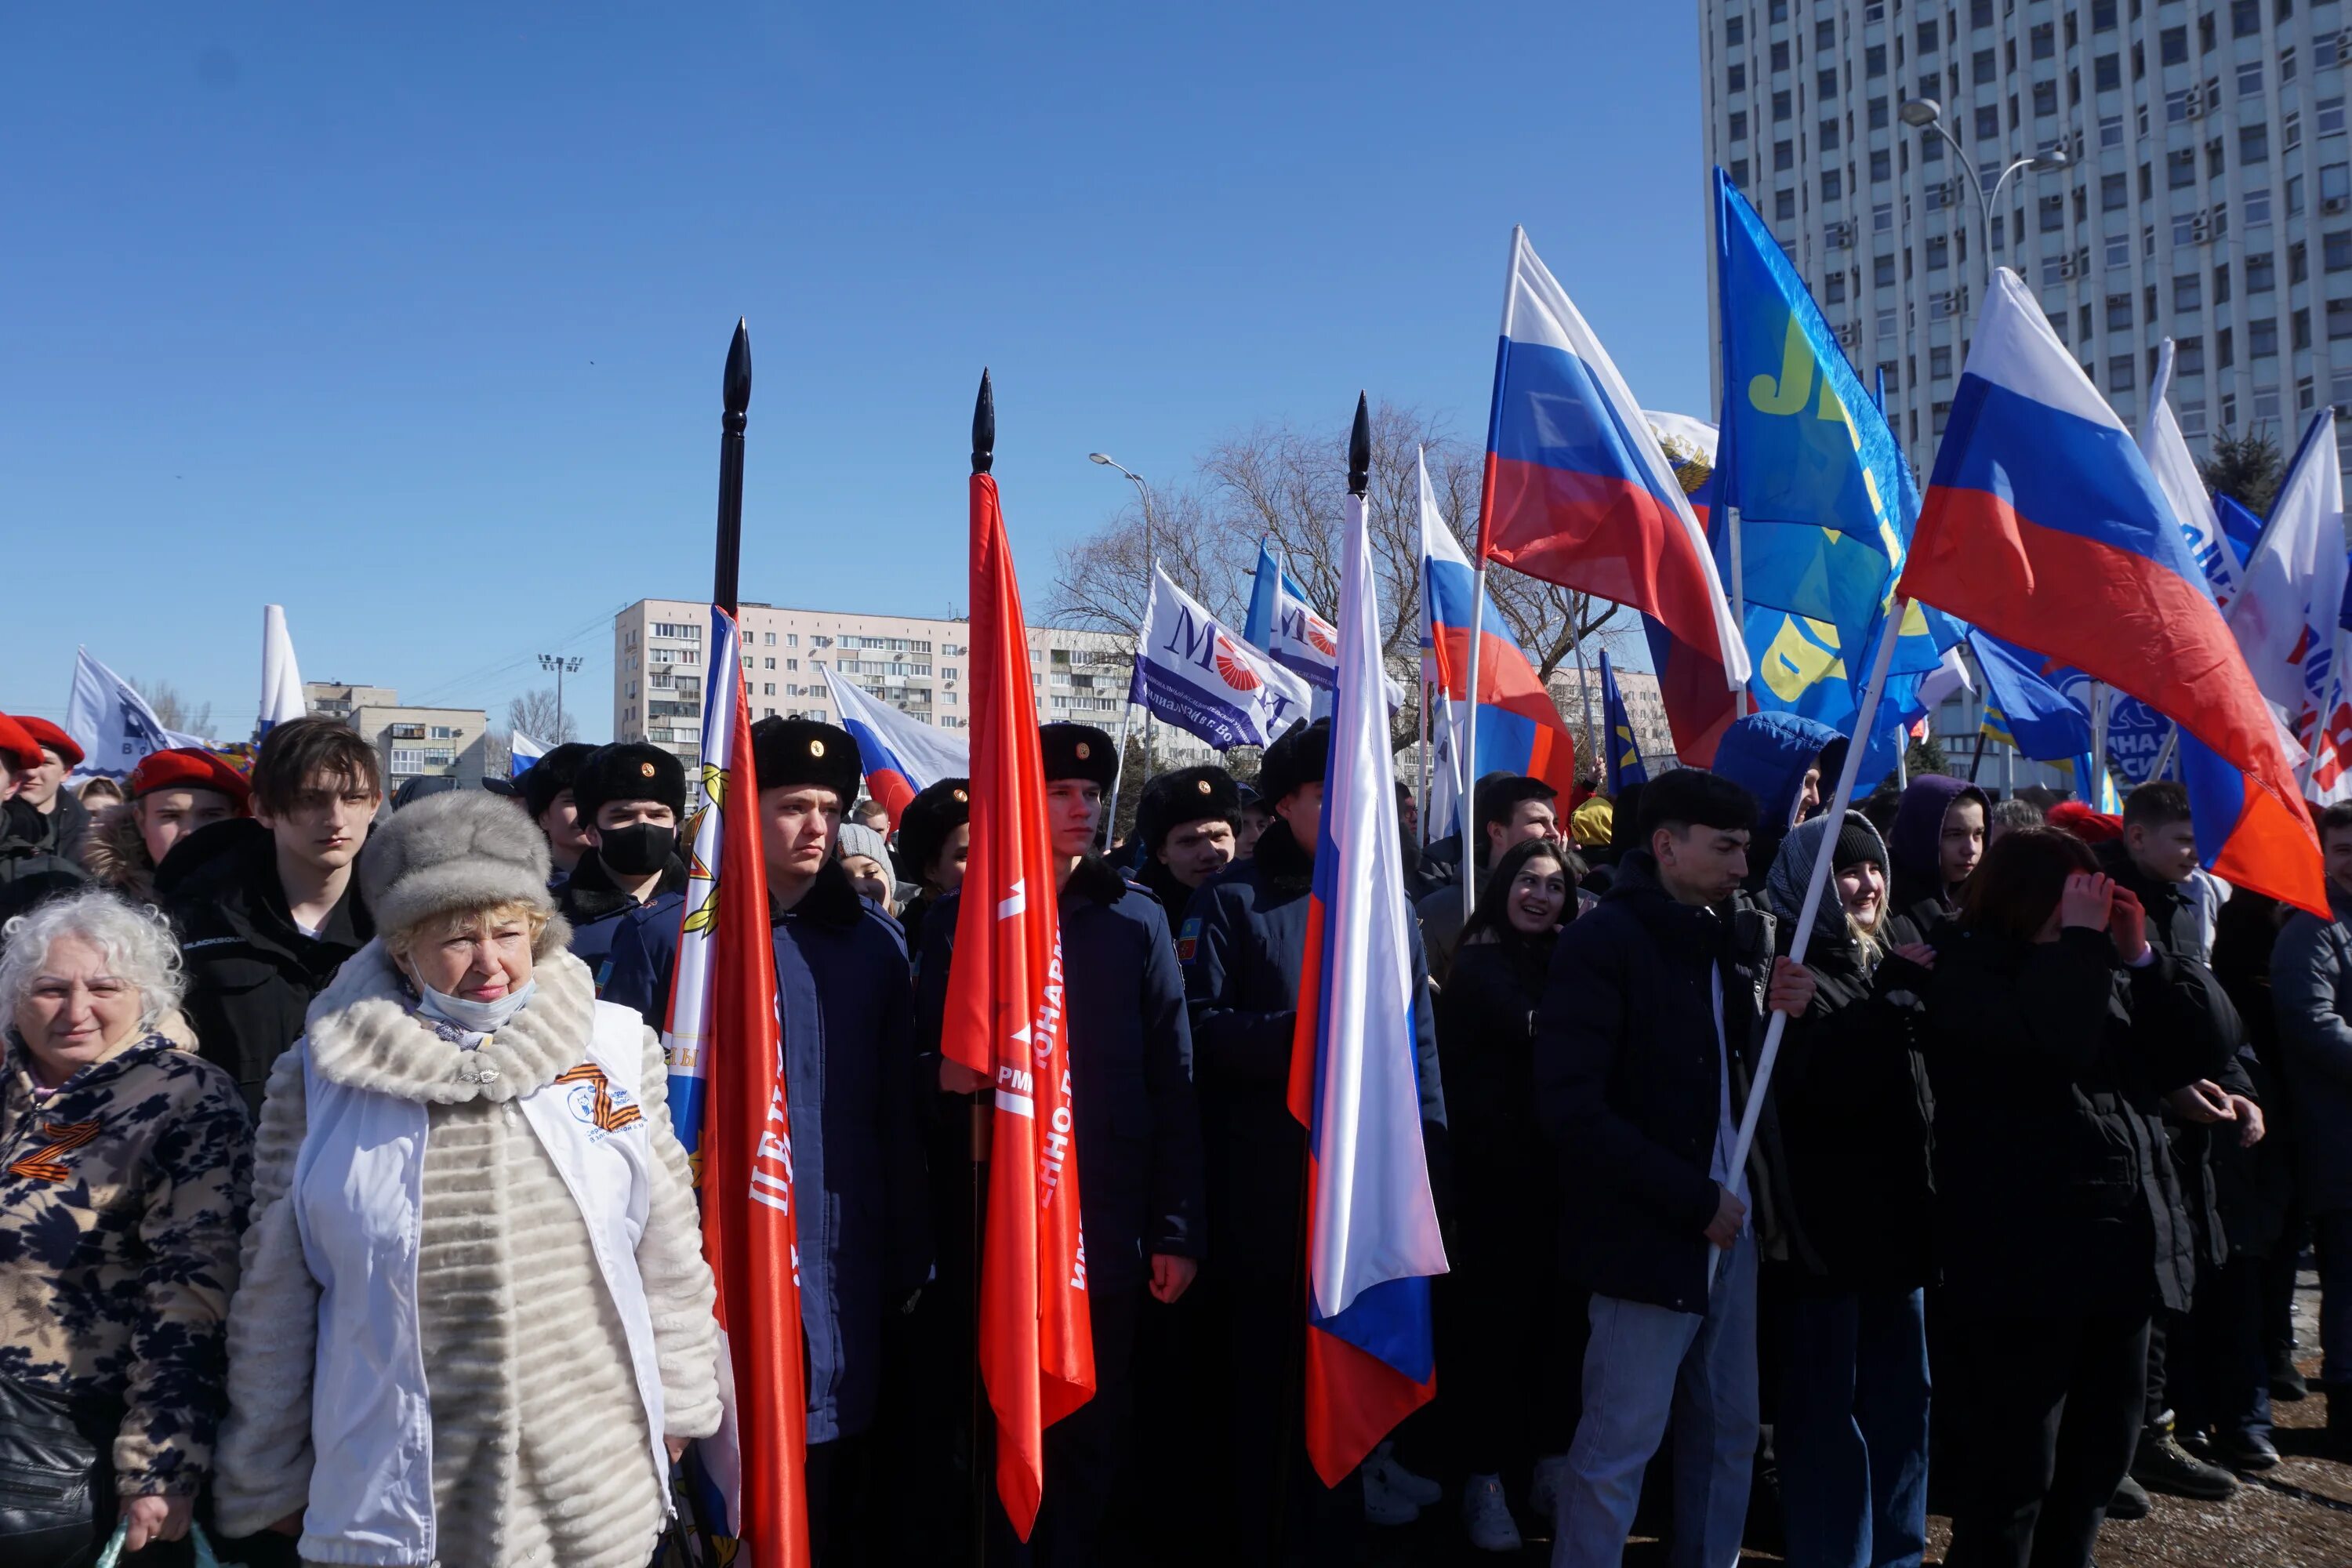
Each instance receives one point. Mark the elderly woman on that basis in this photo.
(124, 1164)
(475, 1310)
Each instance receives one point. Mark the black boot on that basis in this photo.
(2338, 1442)
(2162, 1465)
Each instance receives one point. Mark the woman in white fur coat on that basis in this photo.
(474, 1322)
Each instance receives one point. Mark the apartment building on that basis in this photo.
(442, 743)
(2192, 181)
(1643, 706)
(917, 665)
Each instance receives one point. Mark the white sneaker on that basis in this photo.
(1486, 1516)
(1543, 1491)
(1420, 1489)
(1386, 1503)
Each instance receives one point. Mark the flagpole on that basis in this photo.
(735, 386)
(983, 458)
(1738, 603)
(1468, 760)
(2097, 781)
(1117, 772)
(1815, 884)
(1421, 809)
(1583, 680)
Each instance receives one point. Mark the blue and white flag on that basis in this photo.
(2292, 590)
(114, 726)
(527, 750)
(281, 680)
(2174, 467)
(1206, 679)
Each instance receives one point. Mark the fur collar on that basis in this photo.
(115, 854)
(831, 900)
(1095, 878)
(362, 1032)
(1281, 863)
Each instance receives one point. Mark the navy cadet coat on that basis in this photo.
(597, 910)
(1240, 945)
(864, 1219)
(1140, 1176)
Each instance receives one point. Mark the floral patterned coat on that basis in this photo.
(122, 1199)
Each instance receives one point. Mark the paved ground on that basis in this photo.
(2300, 1516)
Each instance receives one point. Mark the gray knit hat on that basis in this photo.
(465, 849)
(857, 838)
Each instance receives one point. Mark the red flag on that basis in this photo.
(1004, 1021)
(748, 1229)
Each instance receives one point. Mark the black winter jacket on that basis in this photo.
(30, 872)
(1503, 1168)
(2055, 1194)
(1628, 1079)
(1240, 943)
(251, 974)
(1139, 1182)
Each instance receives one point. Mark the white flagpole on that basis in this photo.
(1421, 810)
(1739, 606)
(1815, 886)
(1470, 845)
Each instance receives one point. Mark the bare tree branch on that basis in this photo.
(173, 709)
(534, 714)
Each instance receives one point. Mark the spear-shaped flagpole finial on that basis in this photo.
(1359, 450)
(983, 426)
(735, 394)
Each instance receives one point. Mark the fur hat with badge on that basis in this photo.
(928, 821)
(628, 770)
(1296, 758)
(1078, 752)
(552, 775)
(801, 752)
(454, 852)
(1188, 795)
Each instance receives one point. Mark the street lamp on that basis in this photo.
(560, 667)
(1143, 490)
(1926, 114)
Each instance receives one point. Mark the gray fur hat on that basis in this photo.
(465, 849)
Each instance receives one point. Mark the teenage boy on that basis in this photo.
(1242, 943)
(31, 870)
(629, 798)
(1644, 1040)
(1139, 1127)
(847, 1008)
(547, 794)
(168, 797)
(65, 820)
(1184, 825)
(268, 909)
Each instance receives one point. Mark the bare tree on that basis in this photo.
(498, 753)
(534, 714)
(173, 709)
(1100, 581)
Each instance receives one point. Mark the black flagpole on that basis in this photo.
(735, 392)
(983, 458)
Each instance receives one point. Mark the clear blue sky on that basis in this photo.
(412, 319)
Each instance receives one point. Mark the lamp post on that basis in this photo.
(1150, 564)
(1926, 114)
(562, 667)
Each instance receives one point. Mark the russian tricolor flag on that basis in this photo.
(1579, 491)
(902, 756)
(1372, 1237)
(2044, 526)
(1519, 727)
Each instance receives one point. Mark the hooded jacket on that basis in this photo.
(848, 1010)
(1629, 1075)
(1915, 887)
(1769, 754)
(1852, 1093)
(115, 853)
(252, 974)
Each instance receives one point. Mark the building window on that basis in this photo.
(1882, 221)
(2258, 207)
(2115, 194)
(2331, 117)
(2335, 188)
(1882, 167)
(1735, 32)
(1882, 276)
(2261, 339)
(1738, 177)
(1784, 204)
(1783, 106)
(1825, 83)
(1874, 62)
(2054, 214)
(1940, 365)
(1877, 113)
(1886, 321)
(2119, 314)
(1780, 63)
(2339, 319)
(2107, 74)
(2254, 147)
(2190, 411)
(2187, 359)
(2118, 250)
(1828, 136)
(2250, 77)
(2171, 48)
(2245, 22)
(2336, 254)
(2261, 274)
(2111, 134)
(1836, 296)
(1738, 134)
(2041, 43)
(2045, 97)
(451, 732)
(1825, 40)
(1784, 158)
(1939, 257)
(2120, 370)
(1832, 187)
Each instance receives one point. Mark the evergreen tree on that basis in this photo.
(2246, 469)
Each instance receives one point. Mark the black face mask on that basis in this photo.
(640, 849)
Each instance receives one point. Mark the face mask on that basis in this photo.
(640, 849)
(481, 1017)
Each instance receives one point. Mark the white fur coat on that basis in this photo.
(539, 1449)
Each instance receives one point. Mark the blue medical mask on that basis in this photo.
(481, 1017)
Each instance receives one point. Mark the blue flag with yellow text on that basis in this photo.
(1621, 754)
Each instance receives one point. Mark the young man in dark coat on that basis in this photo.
(1139, 1126)
(2311, 983)
(847, 1007)
(2193, 1357)
(1938, 837)
(630, 796)
(1184, 830)
(547, 795)
(1511, 809)
(1242, 943)
(934, 838)
(1649, 1027)
(268, 909)
(65, 818)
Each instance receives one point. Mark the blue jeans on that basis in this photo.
(1644, 1363)
(1852, 1432)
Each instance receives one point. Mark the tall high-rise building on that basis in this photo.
(2191, 180)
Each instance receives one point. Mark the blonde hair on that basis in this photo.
(467, 922)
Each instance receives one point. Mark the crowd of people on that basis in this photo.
(342, 1214)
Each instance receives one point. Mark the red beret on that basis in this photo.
(188, 769)
(2092, 826)
(54, 739)
(17, 743)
